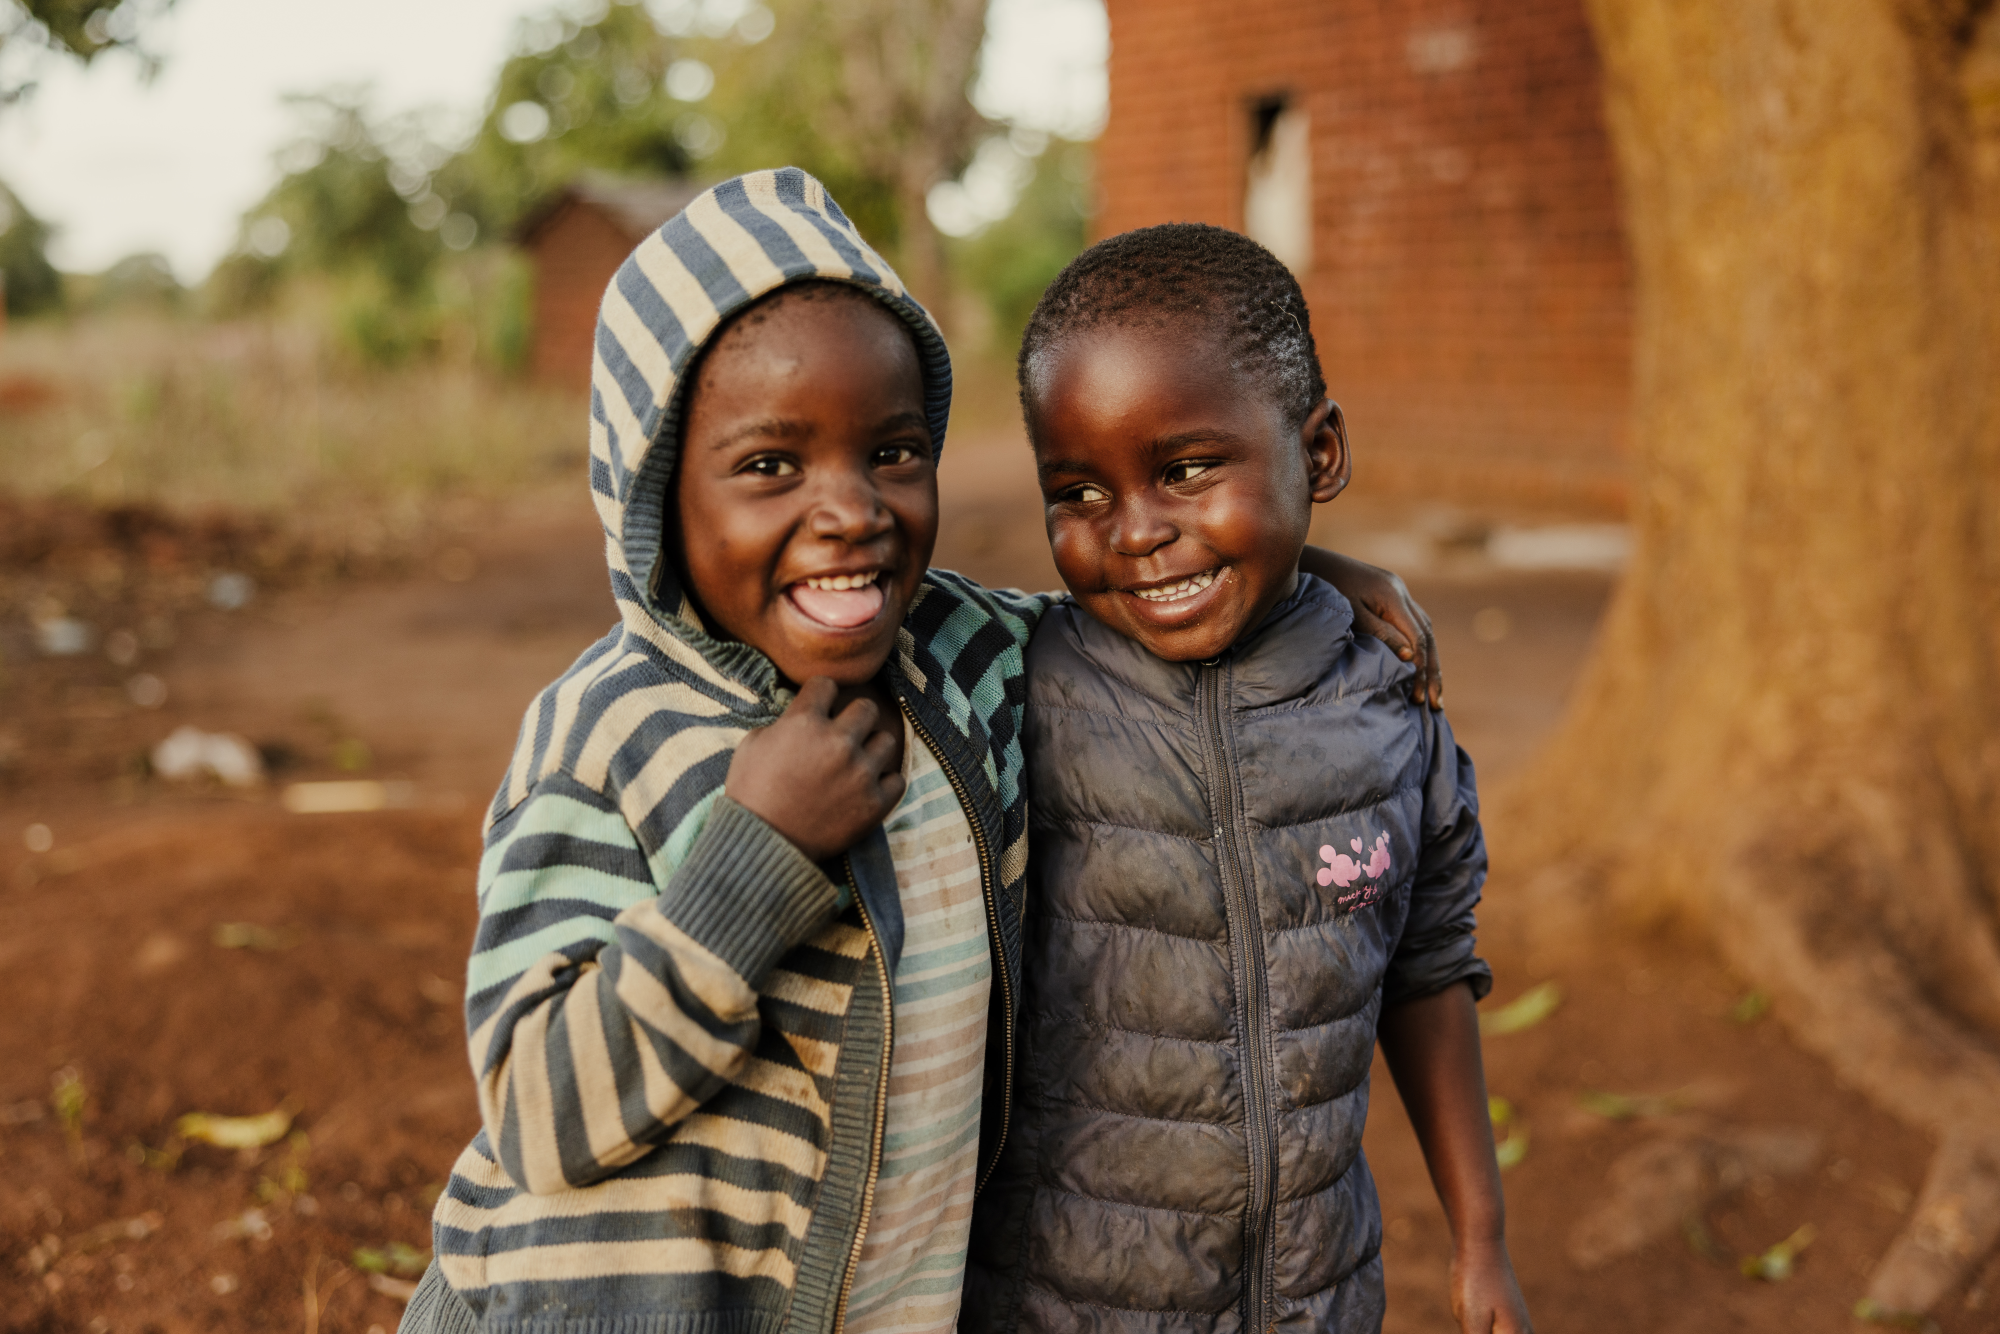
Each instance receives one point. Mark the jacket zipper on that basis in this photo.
(1246, 934)
(881, 1101)
(988, 890)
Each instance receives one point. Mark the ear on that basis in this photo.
(1323, 436)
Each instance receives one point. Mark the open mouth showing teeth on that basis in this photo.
(841, 601)
(1186, 588)
(840, 583)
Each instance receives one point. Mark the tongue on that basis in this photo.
(843, 609)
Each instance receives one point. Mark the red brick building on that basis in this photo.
(576, 241)
(1439, 175)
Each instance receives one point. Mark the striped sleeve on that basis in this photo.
(1015, 611)
(602, 1011)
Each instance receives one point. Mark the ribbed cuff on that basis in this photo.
(749, 894)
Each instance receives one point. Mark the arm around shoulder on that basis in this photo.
(604, 1008)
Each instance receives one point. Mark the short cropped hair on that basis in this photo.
(1175, 274)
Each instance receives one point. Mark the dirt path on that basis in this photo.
(342, 1002)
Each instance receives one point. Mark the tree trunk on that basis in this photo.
(905, 99)
(919, 249)
(1789, 733)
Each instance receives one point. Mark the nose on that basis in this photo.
(1139, 527)
(847, 507)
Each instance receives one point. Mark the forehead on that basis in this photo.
(814, 329)
(1142, 381)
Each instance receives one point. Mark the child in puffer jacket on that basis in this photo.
(1251, 852)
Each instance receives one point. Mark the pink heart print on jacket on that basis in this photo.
(1343, 870)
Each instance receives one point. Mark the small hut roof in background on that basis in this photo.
(637, 207)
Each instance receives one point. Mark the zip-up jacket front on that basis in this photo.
(680, 1026)
(1237, 866)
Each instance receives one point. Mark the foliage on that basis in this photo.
(361, 232)
(81, 28)
(270, 414)
(574, 96)
(349, 203)
(770, 98)
(1011, 262)
(31, 283)
(143, 280)
(379, 217)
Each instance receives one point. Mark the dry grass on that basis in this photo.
(263, 416)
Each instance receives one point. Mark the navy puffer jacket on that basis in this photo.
(1235, 866)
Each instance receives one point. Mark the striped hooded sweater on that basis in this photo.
(680, 1026)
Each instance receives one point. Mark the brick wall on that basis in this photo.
(1470, 289)
(574, 254)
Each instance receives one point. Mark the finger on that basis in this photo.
(815, 697)
(1404, 614)
(1423, 654)
(1368, 623)
(881, 749)
(858, 719)
(1434, 670)
(892, 790)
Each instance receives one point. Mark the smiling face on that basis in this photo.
(1177, 492)
(807, 484)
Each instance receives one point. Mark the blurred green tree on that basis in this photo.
(144, 280)
(577, 94)
(1011, 261)
(874, 97)
(349, 202)
(84, 29)
(358, 216)
(666, 88)
(29, 281)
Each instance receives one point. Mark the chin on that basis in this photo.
(1180, 650)
(1199, 642)
(849, 668)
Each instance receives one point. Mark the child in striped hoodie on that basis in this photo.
(747, 966)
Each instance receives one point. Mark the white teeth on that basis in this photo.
(840, 583)
(1175, 592)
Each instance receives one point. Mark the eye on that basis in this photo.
(770, 465)
(1187, 470)
(1083, 493)
(889, 456)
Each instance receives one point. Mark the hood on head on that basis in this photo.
(737, 242)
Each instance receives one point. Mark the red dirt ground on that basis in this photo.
(109, 971)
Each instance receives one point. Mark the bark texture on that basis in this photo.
(1789, 734)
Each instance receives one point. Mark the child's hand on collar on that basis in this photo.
(820, 778)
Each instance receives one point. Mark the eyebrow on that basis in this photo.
(903, 421)
(785, 428)
(1166, 444)
(771, 428)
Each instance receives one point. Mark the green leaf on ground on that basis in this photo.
(1524, 1011)
(1511, 1147)
(1882, 1315)
(1751, 1008)
(396, 1257)
(236, 1132)
(250, 936)
(1776, 1264)
(1630, 1106)
(69, 1097)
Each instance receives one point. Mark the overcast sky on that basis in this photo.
(121, 166)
